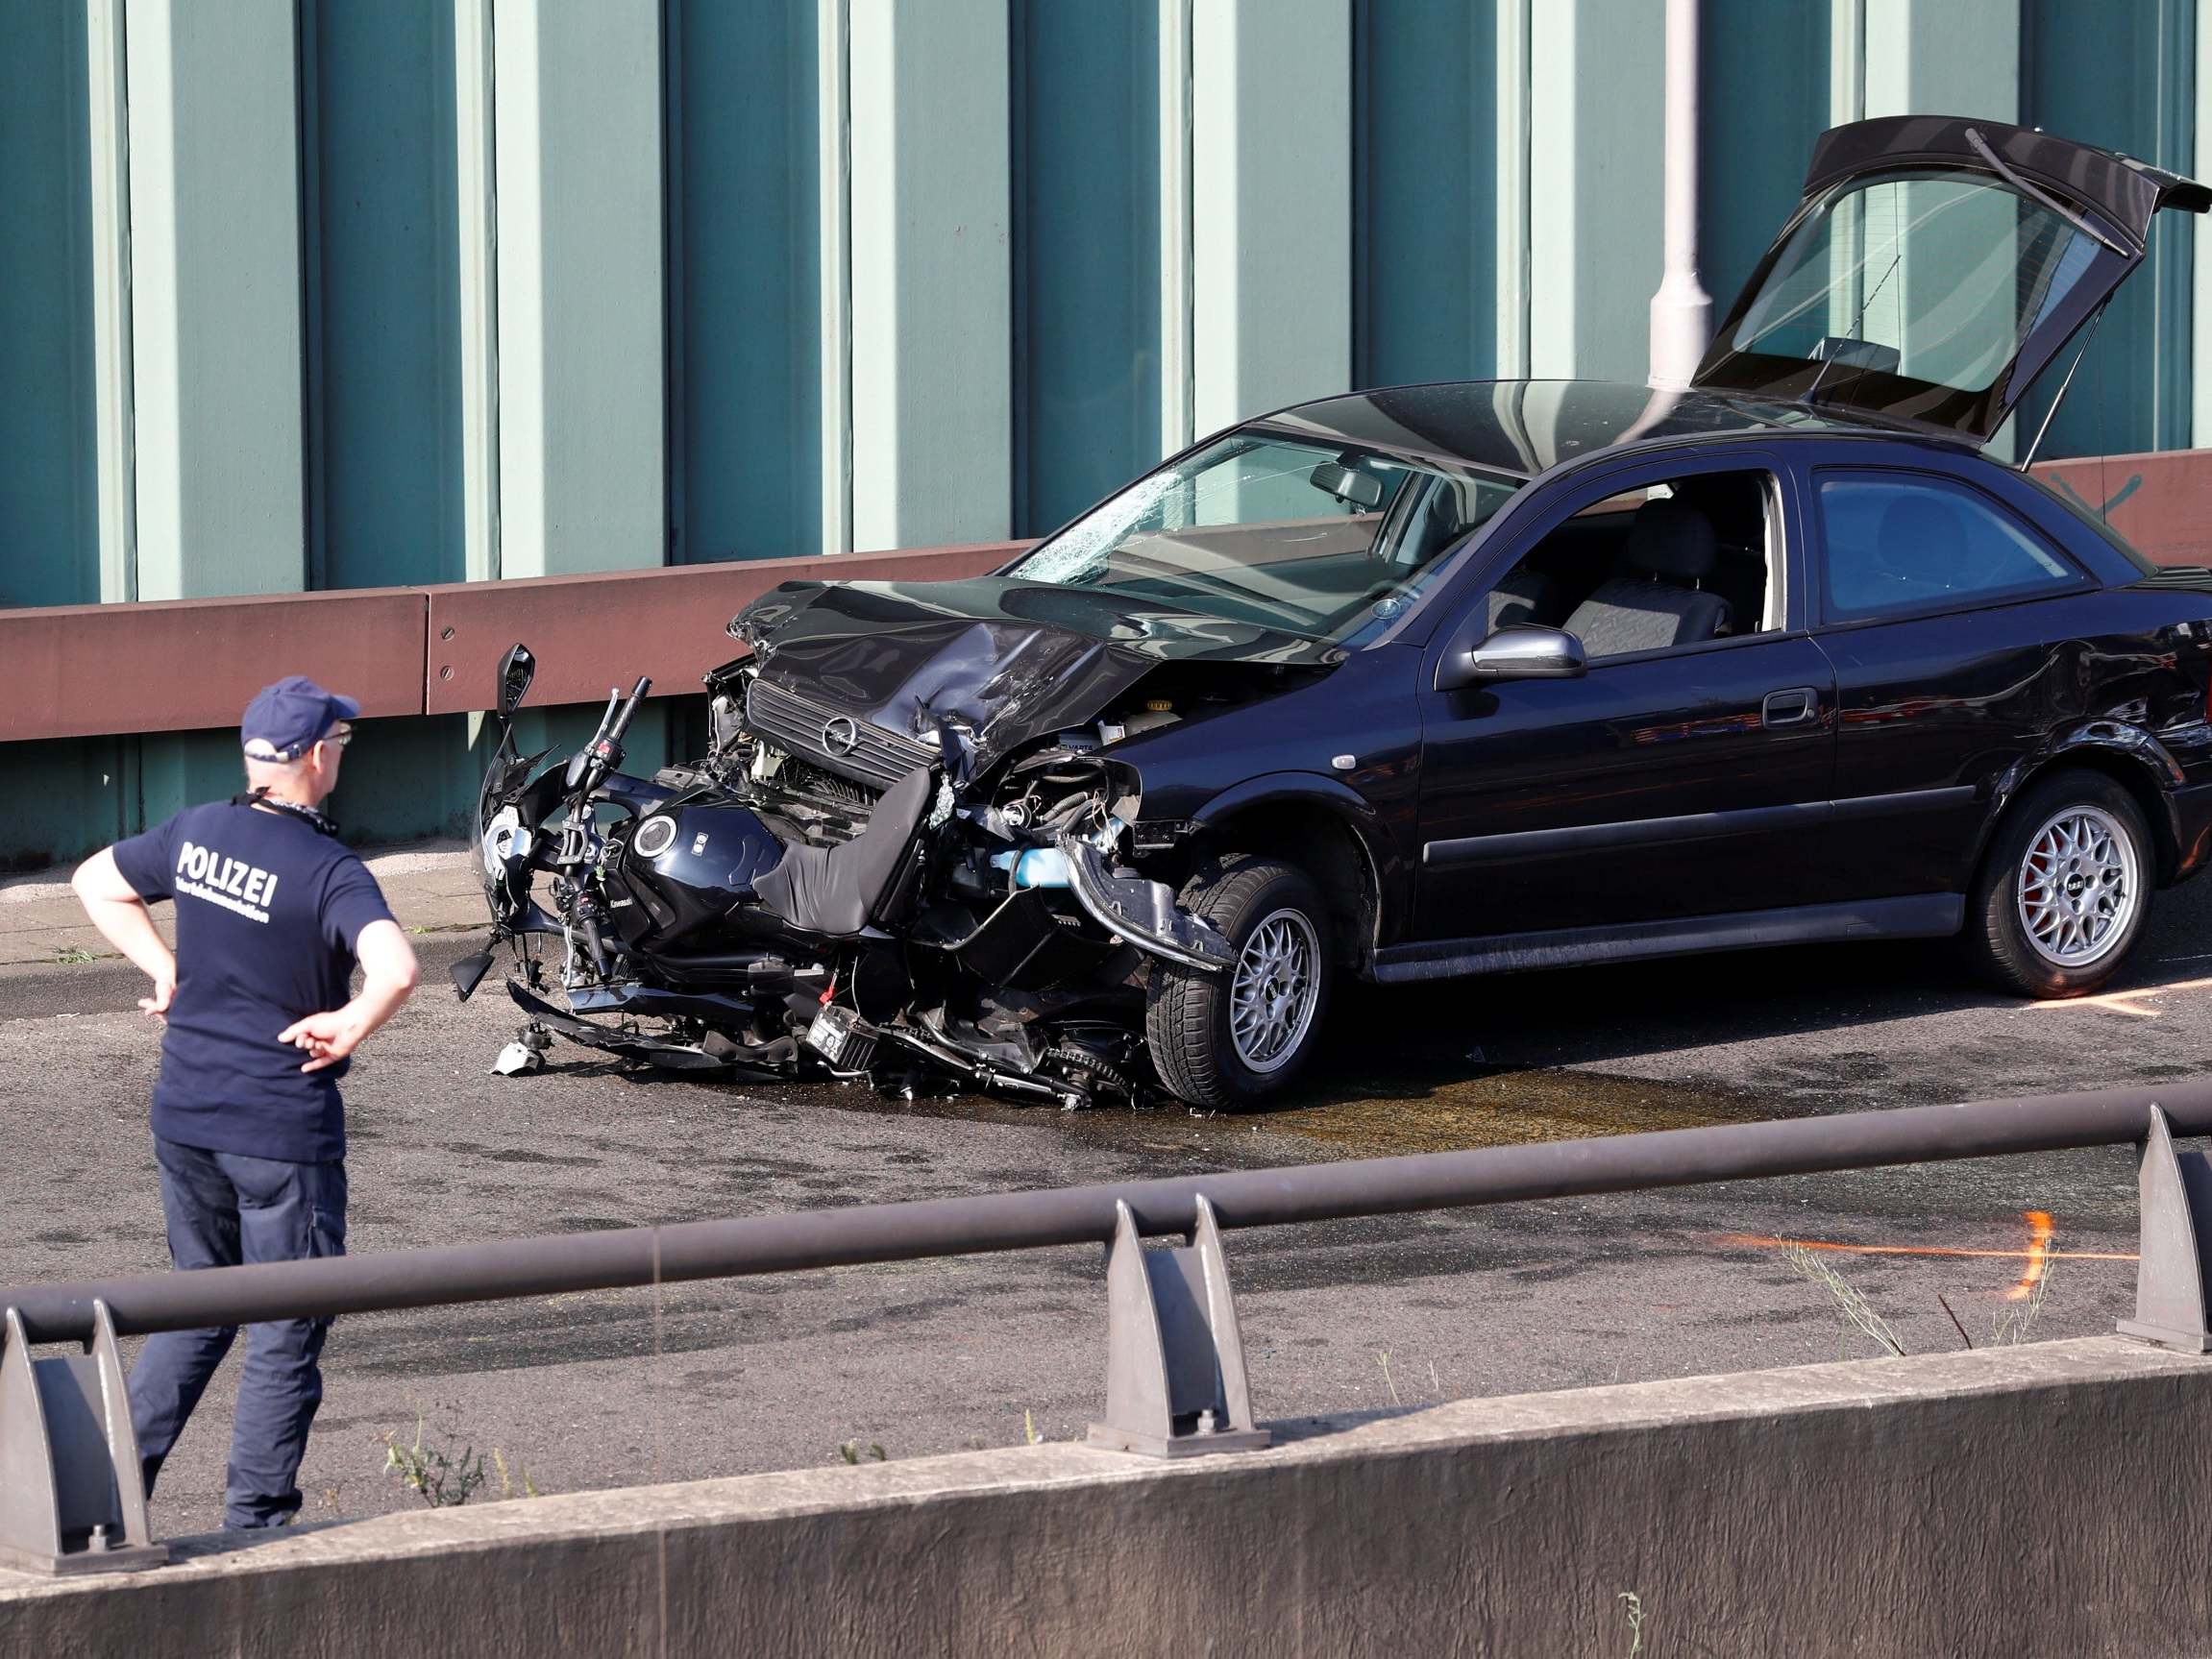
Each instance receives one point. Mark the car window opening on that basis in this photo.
(1665, 565)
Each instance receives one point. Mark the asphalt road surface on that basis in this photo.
(620, 1388)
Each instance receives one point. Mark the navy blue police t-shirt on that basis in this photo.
(268, 911)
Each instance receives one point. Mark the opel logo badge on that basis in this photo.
(840, 736)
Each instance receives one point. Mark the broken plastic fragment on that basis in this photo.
(517, 1059)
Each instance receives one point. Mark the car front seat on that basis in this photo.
(1655, 601)
(839, 890)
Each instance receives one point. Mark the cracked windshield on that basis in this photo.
(1328, 541)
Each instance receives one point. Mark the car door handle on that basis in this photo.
(1789, 708)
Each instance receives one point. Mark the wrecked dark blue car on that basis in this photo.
(1440, 680)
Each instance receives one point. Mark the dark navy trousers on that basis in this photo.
(224, 1208)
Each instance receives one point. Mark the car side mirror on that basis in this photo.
(1520, 652)
(517, 668)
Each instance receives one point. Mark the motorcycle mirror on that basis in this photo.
(517, 668)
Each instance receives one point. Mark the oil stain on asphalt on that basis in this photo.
(1407, 1108)
(1378, 1117)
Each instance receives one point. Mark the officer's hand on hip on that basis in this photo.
(388, 973)
(328, 1037)
(158, 1005)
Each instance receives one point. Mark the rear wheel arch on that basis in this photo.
(2132, 759)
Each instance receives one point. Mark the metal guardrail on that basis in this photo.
(184, 664)
(70, 1495)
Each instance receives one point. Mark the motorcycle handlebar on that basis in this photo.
(628, 709)
(603, 753)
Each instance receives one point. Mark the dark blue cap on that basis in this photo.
(286, 719)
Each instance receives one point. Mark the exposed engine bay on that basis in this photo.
(907, 857)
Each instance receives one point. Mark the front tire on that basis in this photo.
(1231, 1040)
(2064, 889)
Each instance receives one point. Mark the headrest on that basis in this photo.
(1671, 540)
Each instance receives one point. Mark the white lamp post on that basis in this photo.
(1680, 311)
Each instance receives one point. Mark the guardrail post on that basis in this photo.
(1174, 1359)
(72, 1498)
(2177, 1219)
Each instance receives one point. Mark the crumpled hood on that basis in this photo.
(999, 659)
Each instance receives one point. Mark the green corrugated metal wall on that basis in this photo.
(747, 295)
(1086, 250)
(1425, 199)
(49, 537)
(1150, 158)
(2120, 76)
(383, 384)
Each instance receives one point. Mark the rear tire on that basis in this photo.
(2064, 889)
(1232, 1039)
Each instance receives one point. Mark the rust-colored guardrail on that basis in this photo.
(586, 630)
(185, 664)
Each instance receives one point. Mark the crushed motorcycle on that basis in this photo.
(950, 904)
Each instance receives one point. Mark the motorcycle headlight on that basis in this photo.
(505, 845)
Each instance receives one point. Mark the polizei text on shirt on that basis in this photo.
(205, 874)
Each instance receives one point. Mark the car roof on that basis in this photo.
(1525, 428)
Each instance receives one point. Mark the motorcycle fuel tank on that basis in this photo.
(688, 865)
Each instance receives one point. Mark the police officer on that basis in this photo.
(272, 915)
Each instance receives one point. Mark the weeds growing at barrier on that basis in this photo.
(432, 1473)
(507, 1483)
(2009, 1325)
(850, 1451)
(1636, 1617)
(1856, 1313)
(2016, 1319)
(444, 1480)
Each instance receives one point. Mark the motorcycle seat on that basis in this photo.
(837, 890)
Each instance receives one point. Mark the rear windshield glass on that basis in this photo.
(1933, 275)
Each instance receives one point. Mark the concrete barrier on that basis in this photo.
(2051, 1499)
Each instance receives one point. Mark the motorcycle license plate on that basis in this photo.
(831, 1030)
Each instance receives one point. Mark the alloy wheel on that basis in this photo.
(2078, 885)
(1274, 990)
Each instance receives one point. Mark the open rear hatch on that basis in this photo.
(1935, 267)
